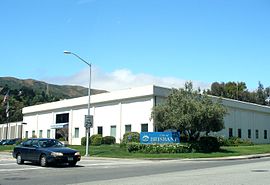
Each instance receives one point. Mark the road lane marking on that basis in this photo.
(8, 164)
(20, 169)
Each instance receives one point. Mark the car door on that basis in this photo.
(24, 149)
(34, 150)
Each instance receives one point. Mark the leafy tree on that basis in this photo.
(189, 111)
(260, 95)
(217, 89)
(239, 91)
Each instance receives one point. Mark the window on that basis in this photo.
(34, 143)
(265, 134)
(27, 143)
(144, 127)
(230, 132)
(127, 128)
(33, 133)
(26, 134)
(100, 131)
(76, 134)
(249, 133)
(62, 118)
(113, 131)
(48, 133)
(257, 134)
(40, 134)
(239, 133)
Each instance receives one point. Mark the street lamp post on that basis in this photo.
(87, 126)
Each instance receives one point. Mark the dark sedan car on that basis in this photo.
(3, 141)
(9, 142)
(45, 152)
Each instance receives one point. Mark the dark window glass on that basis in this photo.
(34, 143)
(265, 134)
(239, 133)
(62, 118)
(100, 131)
(144, 127)
(230, 132)
(127, 128)
(27, 143)
(257, 134)
(249, 133)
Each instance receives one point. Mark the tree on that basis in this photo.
(260, 94)
(187, 110)
(217, 89)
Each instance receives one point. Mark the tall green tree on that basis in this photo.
(260, 94)
(187, 110)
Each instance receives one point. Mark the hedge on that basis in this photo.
(234, 141)
(83, 141)
(108, 140)
(96, 140)
(131, 137)
(206, 144)
(158, 148)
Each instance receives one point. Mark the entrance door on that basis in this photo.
(62, 133)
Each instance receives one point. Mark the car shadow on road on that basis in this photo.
(64, 165)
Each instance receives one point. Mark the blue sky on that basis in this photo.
(136, 42)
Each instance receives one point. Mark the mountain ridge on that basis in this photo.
(28, 92)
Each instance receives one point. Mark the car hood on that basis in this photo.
(61, 149)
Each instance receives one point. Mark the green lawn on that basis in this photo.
(116, 152)
(6, 148)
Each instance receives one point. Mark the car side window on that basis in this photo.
(27, 143)
(35, 143)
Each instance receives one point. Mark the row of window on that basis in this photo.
(239, 133)
(40, 135)
(144, 128)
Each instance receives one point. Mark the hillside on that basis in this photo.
(32, 92)
(63, 91)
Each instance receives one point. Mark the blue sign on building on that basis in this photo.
(159, 137)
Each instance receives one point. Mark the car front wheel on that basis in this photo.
(19, 159)
(43, 161)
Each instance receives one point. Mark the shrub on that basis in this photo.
(83, 141)
(183, 137)
(108, 140)
(234, 141)
(158, 148)
(96, 139)
(61, 139)
(131, 137)
(206, 144)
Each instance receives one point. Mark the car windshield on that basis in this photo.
(50, 143)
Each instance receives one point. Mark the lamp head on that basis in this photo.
(67, 52)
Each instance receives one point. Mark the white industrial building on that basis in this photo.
(127, 110)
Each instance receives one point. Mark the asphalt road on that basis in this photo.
(125, 171)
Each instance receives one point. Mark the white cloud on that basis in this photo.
(121, 79)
